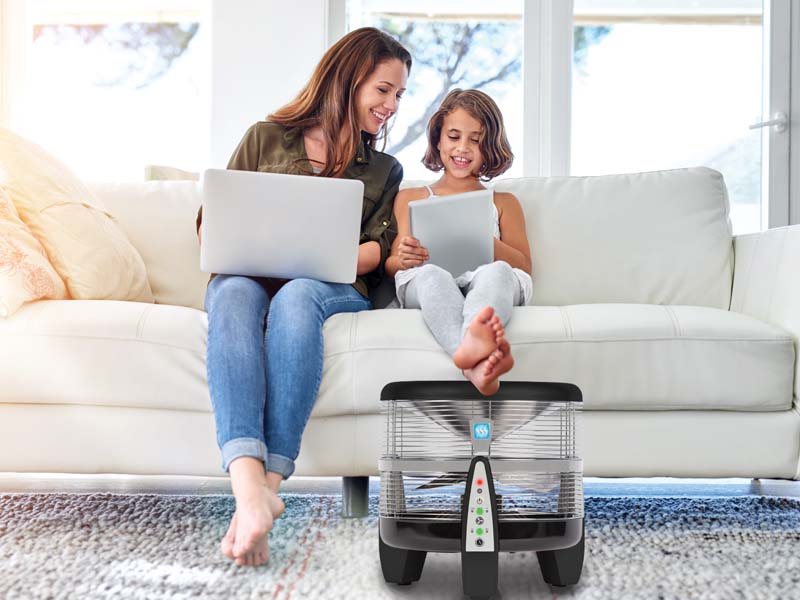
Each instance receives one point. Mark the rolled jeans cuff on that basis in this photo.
(280, 464)
(239, 447)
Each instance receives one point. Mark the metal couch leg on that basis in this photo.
(355, 497)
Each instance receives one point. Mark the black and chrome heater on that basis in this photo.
(480, 475)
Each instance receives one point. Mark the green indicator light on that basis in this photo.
(479, 531)
(479, 511)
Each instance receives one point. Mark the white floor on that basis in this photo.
(593, 486)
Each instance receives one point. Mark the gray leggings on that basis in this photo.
(448, 309)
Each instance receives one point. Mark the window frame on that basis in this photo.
(547, 83)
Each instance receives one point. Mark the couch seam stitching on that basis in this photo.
(675, 322)
(777, 276)
(104, 338)
(748, 289)
(566, 322)
(142, 320)
(576, 341)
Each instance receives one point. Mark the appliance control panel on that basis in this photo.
(479, 532)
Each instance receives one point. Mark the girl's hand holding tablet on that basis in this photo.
(411, 252)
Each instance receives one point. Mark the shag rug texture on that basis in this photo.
(159, 546)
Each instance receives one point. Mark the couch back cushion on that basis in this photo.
(662, 237)
(159, 218)
(653, 238)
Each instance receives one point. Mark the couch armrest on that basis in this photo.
(766, 281)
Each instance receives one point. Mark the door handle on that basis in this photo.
(778, 121)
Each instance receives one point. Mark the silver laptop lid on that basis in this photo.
(276, 225)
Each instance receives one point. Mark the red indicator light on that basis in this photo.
(479, 481)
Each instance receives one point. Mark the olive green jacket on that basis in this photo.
(273, 148)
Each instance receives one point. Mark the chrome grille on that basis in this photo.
(535, 462)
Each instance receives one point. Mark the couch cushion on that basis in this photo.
(651, 238)
(105, 353)
(83, 243)
(623, 357)
(25, 273)
(159, 218)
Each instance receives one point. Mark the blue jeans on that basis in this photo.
(264, 362)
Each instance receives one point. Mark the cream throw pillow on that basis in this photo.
(25, 273)
(84, 244)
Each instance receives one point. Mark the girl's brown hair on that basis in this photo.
(328, 99)
(495, 150)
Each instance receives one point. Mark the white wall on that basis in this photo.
(262, 53)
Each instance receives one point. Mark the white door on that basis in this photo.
(662, 84)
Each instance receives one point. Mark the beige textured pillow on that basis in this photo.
(25, 273)
(84, 244)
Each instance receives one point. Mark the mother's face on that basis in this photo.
(378, 97)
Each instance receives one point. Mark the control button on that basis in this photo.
(480, 490)
(479, 481)
(479, 542)
(479, 511)
(479, 531)
(479, 520)
(479, 500)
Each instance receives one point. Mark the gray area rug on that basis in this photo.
(152, 546)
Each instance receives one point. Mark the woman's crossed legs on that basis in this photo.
(264, 369)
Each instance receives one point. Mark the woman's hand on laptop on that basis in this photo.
(411, 253)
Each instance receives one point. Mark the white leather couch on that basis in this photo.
(682, 339)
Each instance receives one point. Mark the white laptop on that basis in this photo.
(275, 225)
(457, 230)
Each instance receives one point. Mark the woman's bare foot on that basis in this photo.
(257, 505)
(479, 341)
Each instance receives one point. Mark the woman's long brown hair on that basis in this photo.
(328, 99)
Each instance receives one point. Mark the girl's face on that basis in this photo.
(459, 144)
(378, 96)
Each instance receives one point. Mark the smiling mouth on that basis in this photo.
(461, 162)
(380, 116)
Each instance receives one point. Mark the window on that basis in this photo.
(612, 86)
(459, 45)
(111, 89)
(669, 84)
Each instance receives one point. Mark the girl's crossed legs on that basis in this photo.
(471, 328)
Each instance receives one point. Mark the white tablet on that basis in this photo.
(279, 225)
(457, 230)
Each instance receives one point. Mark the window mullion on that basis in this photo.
(776, 57)
(794, 117)
(547, 81)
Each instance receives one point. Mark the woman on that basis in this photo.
(265, 335)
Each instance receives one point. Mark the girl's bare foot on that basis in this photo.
(486, 374)
(497, 327)
(479, 341)
(486, 384)
(500, 361)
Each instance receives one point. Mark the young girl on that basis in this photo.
(466, 314)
